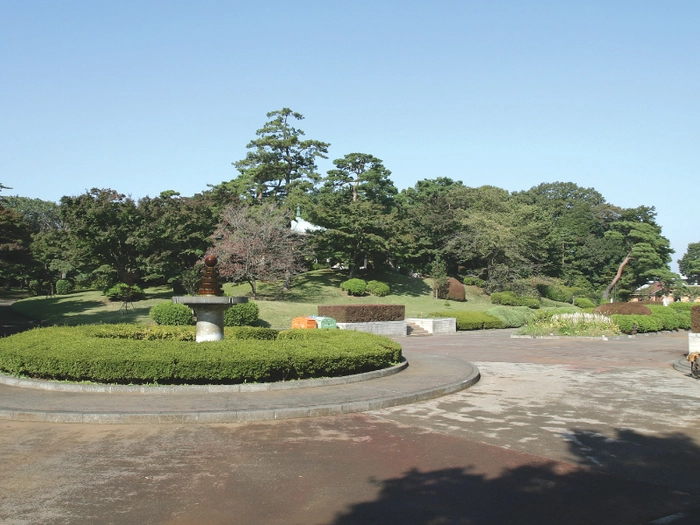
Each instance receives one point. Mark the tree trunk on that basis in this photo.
(627, 259)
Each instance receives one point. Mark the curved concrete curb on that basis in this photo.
(57, 386)
(428, 376)
(682, 365)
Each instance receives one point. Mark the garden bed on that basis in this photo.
(128, 354)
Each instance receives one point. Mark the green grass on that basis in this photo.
(89, 307)
(277, 306)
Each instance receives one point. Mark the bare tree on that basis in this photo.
(255, 243)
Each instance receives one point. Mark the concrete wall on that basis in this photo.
(387, 328)
(436, 326)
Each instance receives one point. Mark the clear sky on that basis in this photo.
(146, 96)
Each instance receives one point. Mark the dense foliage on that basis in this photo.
(471, 320)
(556, 240)
(172, 314)
(110, 355)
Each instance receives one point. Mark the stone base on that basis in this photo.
(693, 342)
(387, 328)
(435, 326)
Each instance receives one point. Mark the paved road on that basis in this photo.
(561, 432)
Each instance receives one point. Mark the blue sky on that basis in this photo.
(150, 96)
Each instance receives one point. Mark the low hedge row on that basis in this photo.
(622, 309)
(363, 313)
(166, 356)
(661, 318)
(471, 320)
(508, 298)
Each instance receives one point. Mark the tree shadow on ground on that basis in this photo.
(548, 492)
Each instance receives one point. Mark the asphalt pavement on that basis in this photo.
(555, 431)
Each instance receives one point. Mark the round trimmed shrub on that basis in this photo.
(63, 287)
(583, 302)
(378, 288)
(124, 292)
(172, 314)
(455, 290)
(242, 314)
(354, 286)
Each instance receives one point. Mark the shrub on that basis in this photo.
(471, 320)
(363, 313)
(636, 323)
(124, 292)
(474, 281)
(378, 288)
(509, 298)
(695, 319)
(555, 292)
(455, 290)
(172, 314)
(75, 354)
(622, 309)
(584, 302)
(669, 318)
(241, 314)
(354, 286)
(63, 287)
(571, 324)
(512, 317)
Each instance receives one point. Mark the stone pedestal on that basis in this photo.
(210, 314)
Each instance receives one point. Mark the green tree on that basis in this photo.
(100, 226)
(279, 160)
(646, 252)
(15, 240)
(429, 217)
(355, 208)
(172, 234)
(689, 264)
(500, 238)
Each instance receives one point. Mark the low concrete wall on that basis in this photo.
(387, 328)
(435, 326)
(693, 342)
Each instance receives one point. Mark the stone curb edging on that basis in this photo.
(585, 338)
(199, 389)
(241, 416)
(682, 365)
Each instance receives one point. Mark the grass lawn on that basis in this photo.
(277, 306)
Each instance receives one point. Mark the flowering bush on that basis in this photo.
(572, 324)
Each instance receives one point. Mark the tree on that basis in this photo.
(646, 252)
(689, 264)
(15, 239)
(429, 217)
(172, 235)
(354, 206)
(279, 160)
(500, 238)
(100, 225)
(255, 243)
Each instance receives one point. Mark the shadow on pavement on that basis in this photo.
(550, 493)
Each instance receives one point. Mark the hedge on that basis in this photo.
(695, 319)
(471, 320)
(363, 313)
(455, 290)
(241, 314)
(622, 309)
(172, 314)
(78, 354)
(509, 298)
(631, 324)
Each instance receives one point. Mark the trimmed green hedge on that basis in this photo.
(134, 355)
(378, 288)
(354, 286)
(172, 314)
(641, 324)
(241, 314)
(508, 298)
(471, 320)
